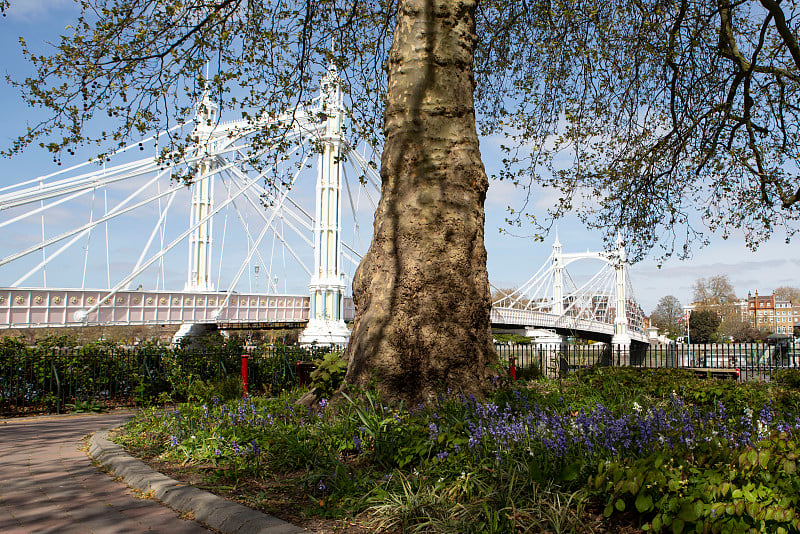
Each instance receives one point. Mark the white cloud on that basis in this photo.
(29, 10)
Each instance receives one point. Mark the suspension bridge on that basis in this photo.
(101, 244)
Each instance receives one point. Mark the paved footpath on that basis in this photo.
(48, 484)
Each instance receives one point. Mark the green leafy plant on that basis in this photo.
(88, 406)
(716, 488)
(788, 378)
(329, 373)
(225, 389)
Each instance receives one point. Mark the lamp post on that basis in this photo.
(256, 269)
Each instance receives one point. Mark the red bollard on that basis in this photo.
(512, 370)
(244, 373)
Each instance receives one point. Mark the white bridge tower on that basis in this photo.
(199, 278)
(326, 323)
(621, 338)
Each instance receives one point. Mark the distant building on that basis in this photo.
(766, 312)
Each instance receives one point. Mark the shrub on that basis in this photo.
(329, 373)
(788, 378)
(716, 488)
(512, 338)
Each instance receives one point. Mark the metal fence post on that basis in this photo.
(244, 372)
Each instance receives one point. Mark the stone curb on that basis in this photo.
(207, 508)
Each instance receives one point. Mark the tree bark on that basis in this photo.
(422, 291)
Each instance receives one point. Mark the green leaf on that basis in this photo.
(789, 467)
(688, 512)
(620, 505)
(657, 523)
(677, 526)
(644, 503)
(571, 472)
(608, 510)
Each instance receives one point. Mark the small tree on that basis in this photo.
(703, 325)
(792, 294)
(745, 332)
(667, 316)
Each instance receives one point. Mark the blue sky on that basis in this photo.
(511, 260)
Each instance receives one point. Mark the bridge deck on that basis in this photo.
(40, 308)
(32, 308)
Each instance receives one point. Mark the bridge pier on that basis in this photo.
(552, 347)
(189, 333)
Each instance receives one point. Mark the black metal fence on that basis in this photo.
(47, 380)
(743, 361)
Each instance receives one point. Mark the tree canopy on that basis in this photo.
(667, 109)
(667, 316)
(703, 325)
(714, 291)
(642, 114)
(790, 293)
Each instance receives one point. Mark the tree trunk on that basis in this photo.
(422, 290)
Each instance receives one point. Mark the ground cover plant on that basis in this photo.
(619, 449)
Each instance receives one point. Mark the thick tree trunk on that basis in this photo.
(422, 291)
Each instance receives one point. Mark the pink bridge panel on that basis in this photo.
(30, 307)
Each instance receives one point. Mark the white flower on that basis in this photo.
(636, 407)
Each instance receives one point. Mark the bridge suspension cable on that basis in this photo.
(604, 303)
(133, 202)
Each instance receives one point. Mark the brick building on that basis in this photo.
(766, 312)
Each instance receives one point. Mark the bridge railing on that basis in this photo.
(37, 379)
(743, 361)
(541, 319)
